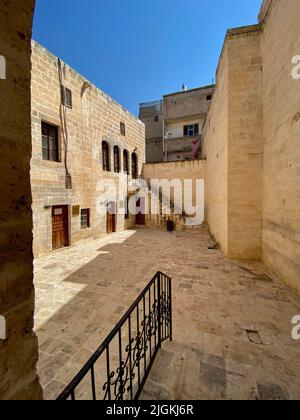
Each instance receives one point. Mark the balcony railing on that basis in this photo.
(120, 367)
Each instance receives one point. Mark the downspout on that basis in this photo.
(64, 126)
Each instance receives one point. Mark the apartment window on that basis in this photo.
(208, 97)
(85, 219)
(105, 157)
(50, 142)
(156, 119)
(123, 129)
(116, 160)
(126, 162)
(66, 96)
(134, 166)
(191, 130)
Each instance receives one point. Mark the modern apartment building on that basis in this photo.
(174, 125)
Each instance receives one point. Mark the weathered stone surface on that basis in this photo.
(251, 140)
(269, 391)
(81, 300)
(19, 352)
(94, 118)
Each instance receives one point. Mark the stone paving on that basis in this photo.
(232, 320)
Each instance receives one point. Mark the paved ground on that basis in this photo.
(232, 320)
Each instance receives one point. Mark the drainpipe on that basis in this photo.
(64, 126)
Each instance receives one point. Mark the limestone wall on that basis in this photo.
(195, 169)
(18, 352)
(94, 118)
(245, 145)
(252, 143)
(216, 151)
(173, 171)
(233, 143)
(281, 113)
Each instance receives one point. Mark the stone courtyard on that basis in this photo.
(232, 320)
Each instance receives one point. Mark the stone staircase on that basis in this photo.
(167, 211)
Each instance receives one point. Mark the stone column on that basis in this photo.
(18, 344)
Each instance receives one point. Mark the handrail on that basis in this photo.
(151, 314)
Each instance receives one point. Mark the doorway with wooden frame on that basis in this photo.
(111, 218)
(60, 227)
(141, 216)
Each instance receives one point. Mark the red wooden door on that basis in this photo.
(141, 217)
(60, 227)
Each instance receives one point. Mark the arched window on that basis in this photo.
(134, 166)
(116, 160)
(126, 162)
(105, 156)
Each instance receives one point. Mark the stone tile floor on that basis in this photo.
(232, 320)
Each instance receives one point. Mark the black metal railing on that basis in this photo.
(120, 367)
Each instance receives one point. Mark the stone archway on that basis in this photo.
(18, 344)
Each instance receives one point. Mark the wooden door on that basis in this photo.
(141, 217)
(60, 227)
(111, 218)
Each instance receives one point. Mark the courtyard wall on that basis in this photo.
(93, 118)
(281, 134)
(18, 344)
(252, 143)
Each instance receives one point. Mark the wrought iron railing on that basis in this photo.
(120, 367)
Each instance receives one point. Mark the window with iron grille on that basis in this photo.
(66, 96)
(116, 160)
(50, 148)
(123, 129)
(191, 130)
(105, 157)
(85, 218)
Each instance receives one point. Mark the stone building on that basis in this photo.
(174, 125)
(80, 137)
(252, 171)
(151, 113)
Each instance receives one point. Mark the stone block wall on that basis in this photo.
(216, 151)
(245, 145)
(19, 348)
(252, 143)
(281, 132)
(174, 171)
(94, 118)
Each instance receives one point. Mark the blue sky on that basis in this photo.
(138, 50)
